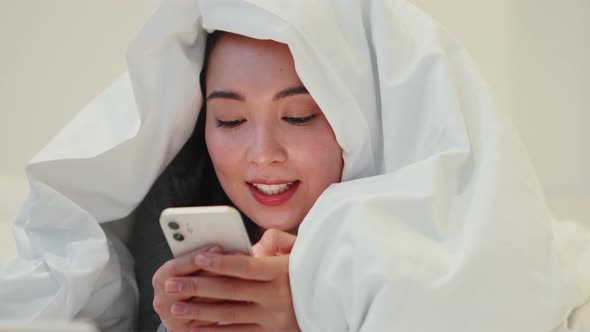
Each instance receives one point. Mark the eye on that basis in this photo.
(230, 124)
(299, 121)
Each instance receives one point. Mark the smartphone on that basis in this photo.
(189, 228)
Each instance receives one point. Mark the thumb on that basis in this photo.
(274, 243)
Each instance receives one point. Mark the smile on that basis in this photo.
(273, 194)
(273, 189)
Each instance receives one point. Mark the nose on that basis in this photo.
(265, 148)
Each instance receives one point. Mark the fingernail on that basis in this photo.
(214, 250)
(204, 260)
(174, 286)
(179, 309)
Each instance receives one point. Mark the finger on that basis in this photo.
(236, 253)
(223, 288)
(227, 328)
(172, 322)
(172, 292)
(174, 289)
(185, 325)
(185, 264)
(244, 267)
(202, 300)
(232, 313)
(164, 298)
(274, 242)
(182, 265)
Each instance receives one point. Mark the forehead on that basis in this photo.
(237, 61)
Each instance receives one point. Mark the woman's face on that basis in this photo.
(272, 149)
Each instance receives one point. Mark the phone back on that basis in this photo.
(189, 228)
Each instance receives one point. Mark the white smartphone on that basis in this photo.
(189, 228)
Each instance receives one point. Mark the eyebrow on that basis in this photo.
(232, 95)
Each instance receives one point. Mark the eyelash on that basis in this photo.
(299, 121)
(296, 121)
(229, 124)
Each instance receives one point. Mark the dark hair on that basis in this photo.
(189, 180)
(211, 186)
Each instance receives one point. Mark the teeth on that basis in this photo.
(272, 189)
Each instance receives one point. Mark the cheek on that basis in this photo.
(222, 150)
(321, 157)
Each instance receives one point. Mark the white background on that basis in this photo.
(55, 56)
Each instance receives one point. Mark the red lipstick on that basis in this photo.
(274, 199)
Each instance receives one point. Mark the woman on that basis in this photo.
(437, 224)
(274, 153)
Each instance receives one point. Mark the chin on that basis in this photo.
(268, 221)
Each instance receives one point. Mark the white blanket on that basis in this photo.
(439, 223)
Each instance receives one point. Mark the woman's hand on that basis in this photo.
(255, 290)
(274, 243)
(166, 292)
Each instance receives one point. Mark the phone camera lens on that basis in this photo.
(173, 225)
(178, 237)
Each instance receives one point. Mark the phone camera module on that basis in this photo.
(178, 237)
(173, 225)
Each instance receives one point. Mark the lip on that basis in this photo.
(263, 181)
(276, 199)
